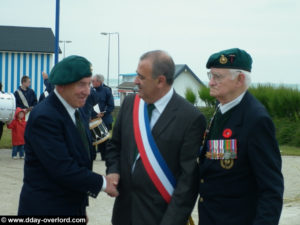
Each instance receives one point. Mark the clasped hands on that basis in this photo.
(112, 181)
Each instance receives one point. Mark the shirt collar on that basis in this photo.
(68, 107)
(161, 104)
(226, 107)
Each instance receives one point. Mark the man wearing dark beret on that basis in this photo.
(240, 164)
(58, 175)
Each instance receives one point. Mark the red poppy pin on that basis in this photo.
(227, 133)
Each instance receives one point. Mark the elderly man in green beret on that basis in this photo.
(240, 164)
(58, 176)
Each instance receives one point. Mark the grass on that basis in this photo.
(5, 143)
(289, 150)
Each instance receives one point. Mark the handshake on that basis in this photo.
(112, 181)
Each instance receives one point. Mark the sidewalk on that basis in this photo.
(99, 211)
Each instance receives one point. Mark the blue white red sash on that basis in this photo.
(153, 161)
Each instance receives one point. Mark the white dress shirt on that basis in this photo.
(160, 106)
(68, 107)
(226, 107)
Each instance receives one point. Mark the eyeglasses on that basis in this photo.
(216, 77)
(219, 77)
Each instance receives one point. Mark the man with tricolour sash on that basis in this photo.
(153, 151)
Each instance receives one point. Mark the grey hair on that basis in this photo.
(162, 64)
(236, 72)
(99, 77)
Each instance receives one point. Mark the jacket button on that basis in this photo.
(201, 199)
(202, 181)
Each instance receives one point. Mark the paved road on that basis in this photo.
(99, 212)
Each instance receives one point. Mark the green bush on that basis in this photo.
(282, 102)
(190, 96)
(287, 131)
(296, 137)
(263, 93)
(207, 112)
(205, 96)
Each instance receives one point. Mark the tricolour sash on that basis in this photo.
(153, 161)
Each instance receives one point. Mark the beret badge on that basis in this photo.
(223, 59)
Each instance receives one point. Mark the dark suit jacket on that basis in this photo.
(57, 170)
(178, 134)
(251, 192)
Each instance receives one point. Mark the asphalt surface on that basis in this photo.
(100, 209)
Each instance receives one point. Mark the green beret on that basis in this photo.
(70, 69)
(233, 58)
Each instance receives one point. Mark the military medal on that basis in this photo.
(227, 163)
(227, 155)
(223, 150)
(208, 155)
(223, 59)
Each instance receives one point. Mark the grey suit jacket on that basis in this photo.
(178, 134)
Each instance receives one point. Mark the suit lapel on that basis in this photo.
(69, 124)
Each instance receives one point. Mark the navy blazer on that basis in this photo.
(57, 170)
(251, 192)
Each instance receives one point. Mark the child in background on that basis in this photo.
(18, 129)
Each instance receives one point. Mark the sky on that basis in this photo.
(189, 30)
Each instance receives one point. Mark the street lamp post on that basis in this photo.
(65, 41)
(111, 33)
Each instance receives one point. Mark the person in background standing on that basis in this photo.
(106, 106)
(240, 165)
(25, 97)
(49, 87)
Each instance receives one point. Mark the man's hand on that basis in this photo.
(112, 181)
(100, 115)
(115, 177)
